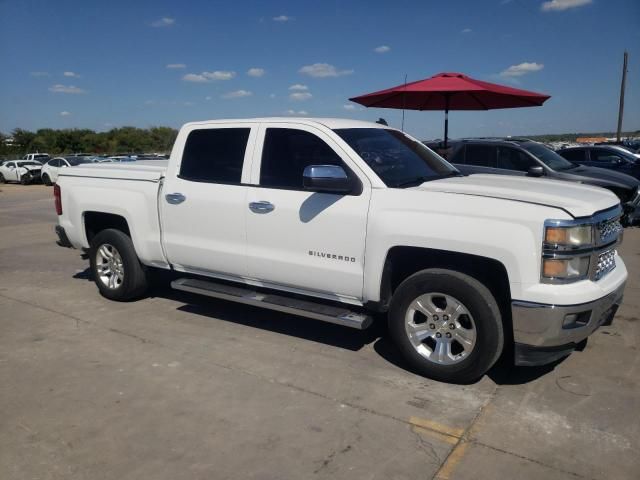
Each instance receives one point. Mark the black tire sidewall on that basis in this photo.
(134, 283)
(480, 303)
(46, 180)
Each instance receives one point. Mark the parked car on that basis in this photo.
(612, 158)
(51, 169)
(22, 171)
(38, 157)
(462, 265)
(522, 157)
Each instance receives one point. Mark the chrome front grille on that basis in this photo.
(606, 263)
(608, 230)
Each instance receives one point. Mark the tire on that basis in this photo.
(472, 336)
(2, 180)
(46, 180)
(127, 279)
(24, 180)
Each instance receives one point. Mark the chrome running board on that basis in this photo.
(294, 306)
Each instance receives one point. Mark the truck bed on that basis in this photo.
(144, 170)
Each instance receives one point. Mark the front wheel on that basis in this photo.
(46, 180)
(447, 325)
(116, 269)
(2, 180)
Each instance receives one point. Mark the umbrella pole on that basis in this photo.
(446, 127)
(446, 119)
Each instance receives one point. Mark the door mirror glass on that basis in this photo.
(326, 178)
(536, 171)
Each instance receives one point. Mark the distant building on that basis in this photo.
(591, 139)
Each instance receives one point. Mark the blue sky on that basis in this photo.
(112, 63)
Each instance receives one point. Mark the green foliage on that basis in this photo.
(117, 140)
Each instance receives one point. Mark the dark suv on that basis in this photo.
(611, 158)
(526, 157)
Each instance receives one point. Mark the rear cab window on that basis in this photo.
(215, 155)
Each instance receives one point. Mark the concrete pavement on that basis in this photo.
(180, 386)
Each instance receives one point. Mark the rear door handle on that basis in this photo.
(261, 207)
(175, 198)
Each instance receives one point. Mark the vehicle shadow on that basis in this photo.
(278, 322)
(504, 372)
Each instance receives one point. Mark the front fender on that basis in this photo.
(507, 231)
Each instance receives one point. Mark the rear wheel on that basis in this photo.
(116, 269)
(46, 180)
(447, 325)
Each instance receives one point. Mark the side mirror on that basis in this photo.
(326, 178)
(536, 171)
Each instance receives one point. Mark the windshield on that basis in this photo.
(29, 163)
(77, 161)
(398, 160)
(550, 158)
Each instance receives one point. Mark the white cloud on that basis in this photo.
(560, 5)
(322, 70)
(256, 72)
(163, 22)
(272, 95)
(150, 102)
(300, 96)
(237, 94)
(175, 65)
(466, 30)
(282, 18)
(348, 106)
(65, 114)
(195, 77)
(382, 49)
(65, 89)
(298, 87)
(71, 74)
(40, 74)
(219, 75)
(299, 112)
(205, 77)
(208, 97)
(188, 104)
(521, 69)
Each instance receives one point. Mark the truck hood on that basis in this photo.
(576, 199)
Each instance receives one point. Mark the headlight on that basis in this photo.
(578, 236)
(573, 268)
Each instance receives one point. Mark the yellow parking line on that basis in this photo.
(452, 461)
(437, 427)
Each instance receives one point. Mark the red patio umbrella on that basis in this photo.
(451, 91)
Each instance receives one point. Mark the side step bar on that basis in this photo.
(294, 306)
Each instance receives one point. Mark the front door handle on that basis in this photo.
(261, 207)
(175, 198)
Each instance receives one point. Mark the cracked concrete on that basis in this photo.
(177, 386)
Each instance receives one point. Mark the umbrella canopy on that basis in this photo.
(451, 91)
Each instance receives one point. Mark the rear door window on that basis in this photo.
(604, 156)
(480, 155)
(214, 155)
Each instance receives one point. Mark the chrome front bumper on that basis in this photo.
(543, 333)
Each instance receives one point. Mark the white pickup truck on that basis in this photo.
(337, 220)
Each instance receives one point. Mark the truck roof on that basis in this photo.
(331, 123)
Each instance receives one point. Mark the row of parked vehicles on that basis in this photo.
(40, 167)
(608, 166)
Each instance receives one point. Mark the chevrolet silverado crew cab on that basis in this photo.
(340, 220)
